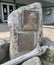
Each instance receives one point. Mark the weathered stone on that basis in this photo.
(7, 39)
(51, 49)
(30, 20)
(19, 23)
(26, 42)
(48, 57)
(47, 63)
(4, 46)
(33, 61)
(46, 41)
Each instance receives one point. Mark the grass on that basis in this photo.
(49, 57)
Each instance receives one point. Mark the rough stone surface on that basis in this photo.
(50, 44)
(26, 42)
(3, 49)
(50, 56)
(46, 41)
(30, 20)
(51, 50)
(7, 39)
(17, 22)
(33, 61)
(47, 63)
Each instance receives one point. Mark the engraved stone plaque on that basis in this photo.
(25, 19)
(30, 20)
(26, 41)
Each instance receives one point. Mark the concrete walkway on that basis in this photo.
(4, 30)
(4, 27)
(48, 31)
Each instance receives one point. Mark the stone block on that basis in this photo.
(33, 61)
(24, 19)
(4, 48)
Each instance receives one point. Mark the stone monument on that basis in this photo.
(26, 41)
(25, 25)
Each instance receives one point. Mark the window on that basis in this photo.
(47, 11)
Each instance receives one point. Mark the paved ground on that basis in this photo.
(4, 31)
(47, 32)
(4, 27)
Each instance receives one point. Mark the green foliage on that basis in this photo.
(51, 23)
(49, 57)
